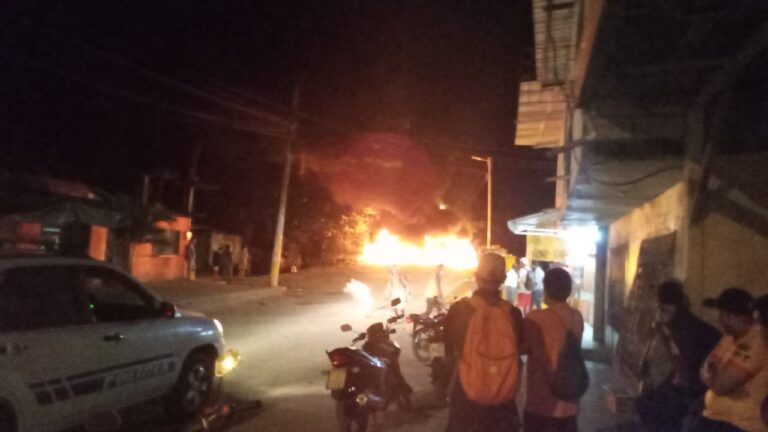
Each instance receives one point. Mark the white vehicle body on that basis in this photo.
(56, 370)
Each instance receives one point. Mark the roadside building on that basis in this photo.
(658, 115)
(40, 214)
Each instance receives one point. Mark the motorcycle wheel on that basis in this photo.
(350, 419)
(421, 345)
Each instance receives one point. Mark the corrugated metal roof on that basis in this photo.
(541, 115)
(553, 27)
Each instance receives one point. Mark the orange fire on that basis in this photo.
(449, 250)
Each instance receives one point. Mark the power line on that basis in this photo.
(156, 76)
(122, 93)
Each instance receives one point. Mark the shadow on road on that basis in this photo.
(221, 414)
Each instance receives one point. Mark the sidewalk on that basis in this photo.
(208, 290)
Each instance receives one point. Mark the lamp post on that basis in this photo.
(489, 163)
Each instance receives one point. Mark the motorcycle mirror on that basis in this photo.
(395, 302)
(346, 328)
(167, 310)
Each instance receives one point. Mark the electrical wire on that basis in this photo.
(636, 180)
(155, 75)
(220, 121)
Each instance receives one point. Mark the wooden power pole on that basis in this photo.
(277, 249)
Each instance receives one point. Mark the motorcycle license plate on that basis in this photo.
(336, 379)
(437, 349)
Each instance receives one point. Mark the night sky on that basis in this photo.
(103, 92)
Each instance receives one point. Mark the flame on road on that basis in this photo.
(449, 250)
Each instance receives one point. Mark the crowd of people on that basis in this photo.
(524, 286)
(718, 382)
(222, 260)
(486, 337)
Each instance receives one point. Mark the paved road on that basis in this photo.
(283, 334)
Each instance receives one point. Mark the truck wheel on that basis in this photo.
(193, 388)
(7, 420)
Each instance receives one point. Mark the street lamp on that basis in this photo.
(489, 163)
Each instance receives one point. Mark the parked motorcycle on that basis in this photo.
(428, 343)
(368, 379)
(427, 336)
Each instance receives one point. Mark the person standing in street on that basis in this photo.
(544, 334)
(397, 287)
(190, 255)
(537, 276)
(434, 292)
(524, 286)
(216, 260)
(510, 285)
(689, 340)
(482, 335)
(244, 264)
(227, 263)
(736, 371)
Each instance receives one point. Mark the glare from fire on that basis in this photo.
(451, 251)
(362, 295)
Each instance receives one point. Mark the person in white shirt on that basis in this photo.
(434, 292)
(537, 274)
(511, 283)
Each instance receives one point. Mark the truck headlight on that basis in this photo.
(227, 362)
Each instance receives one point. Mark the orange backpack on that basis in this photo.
(490, 363)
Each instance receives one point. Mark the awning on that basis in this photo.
(545, 222)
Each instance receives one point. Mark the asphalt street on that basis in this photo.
(283, 334)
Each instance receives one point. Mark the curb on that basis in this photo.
(213, 300)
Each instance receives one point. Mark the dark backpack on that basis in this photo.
(571, 376)
(528, 284)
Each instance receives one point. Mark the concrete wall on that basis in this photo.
(146, 266)
(709, 257)
(667, 213)
(724, 254)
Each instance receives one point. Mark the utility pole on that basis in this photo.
(193, 164)
(277, 250)
(489, 163)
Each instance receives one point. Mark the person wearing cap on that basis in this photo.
(688, 339)
(735, 371)
(465, 415)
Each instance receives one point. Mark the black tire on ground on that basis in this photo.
(421, 345)
(193, 388)
(440, 376)
(349, 419)
(7, 420)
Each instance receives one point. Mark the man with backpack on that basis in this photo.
(557, 376)
(482, 335)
